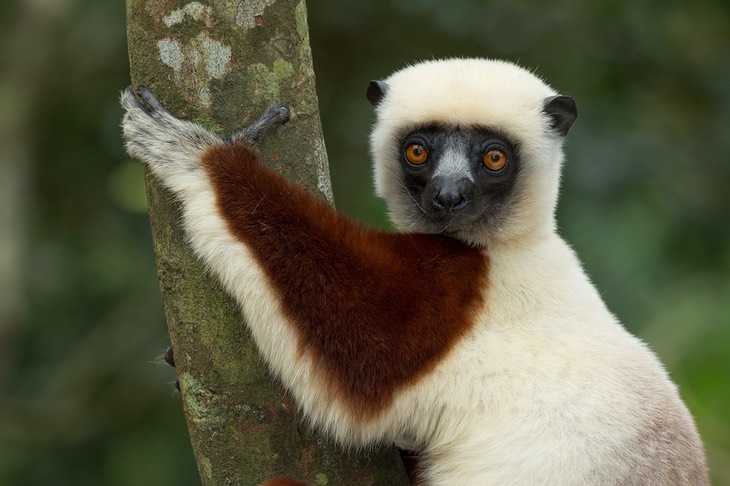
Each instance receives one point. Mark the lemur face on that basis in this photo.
(470, 148)
(457, 177)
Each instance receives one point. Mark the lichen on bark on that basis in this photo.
(221, 63)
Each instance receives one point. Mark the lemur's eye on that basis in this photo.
(416, 154)
(495, 160)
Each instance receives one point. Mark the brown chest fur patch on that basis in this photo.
(377, 310)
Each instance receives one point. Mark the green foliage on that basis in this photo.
(646, 203)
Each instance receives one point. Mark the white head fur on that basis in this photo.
(493, 94)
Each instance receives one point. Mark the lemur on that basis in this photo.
(472, 336)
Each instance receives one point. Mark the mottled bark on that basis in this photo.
(220, 64)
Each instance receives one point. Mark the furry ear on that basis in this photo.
(376, 91)
(563, 112)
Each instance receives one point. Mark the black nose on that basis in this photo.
(451, 196)
(449, 200)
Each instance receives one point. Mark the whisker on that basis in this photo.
(414, 199)
(448, 224)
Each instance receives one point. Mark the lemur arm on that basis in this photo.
(367, 313)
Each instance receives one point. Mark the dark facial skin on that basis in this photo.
(457, 176)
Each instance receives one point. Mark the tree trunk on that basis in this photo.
(221, 64)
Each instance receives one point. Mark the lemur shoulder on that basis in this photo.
(473, 336)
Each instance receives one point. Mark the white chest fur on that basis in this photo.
(550, 389)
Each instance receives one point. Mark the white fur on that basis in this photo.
(548, 388)
(467, 92)
(552, 390)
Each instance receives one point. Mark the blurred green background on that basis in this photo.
(84, 398)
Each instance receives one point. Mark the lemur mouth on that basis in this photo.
(449, 223)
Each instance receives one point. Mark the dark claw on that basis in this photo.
(280, 113)
(169, 357)
(147, 97)
(150, 103)
(129, 93)
(137, 100)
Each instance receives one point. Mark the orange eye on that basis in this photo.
(416, 154)
(495, 160)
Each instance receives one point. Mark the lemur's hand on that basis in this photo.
(170, 147)
(173, 148)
